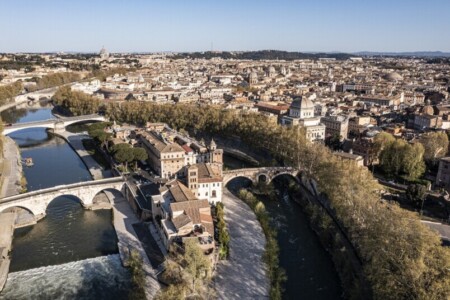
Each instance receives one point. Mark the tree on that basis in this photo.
(139, 154)
(435, 144)
(137, 275)
(196, 265)
(123, 153)
(416, 194)
(413, 164)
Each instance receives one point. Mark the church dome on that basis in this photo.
(428, 110)
(393, 76)
(302, 103)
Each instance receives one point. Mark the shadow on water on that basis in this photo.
(309, 268)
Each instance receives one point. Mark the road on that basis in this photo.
(243, 275)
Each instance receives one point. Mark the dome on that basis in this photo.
(427, 110)
(393, 76)
(302, 103)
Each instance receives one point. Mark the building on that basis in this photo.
(357, 159)
(382, 100)
(301, 113)
(443, 175)
(180, 215)
(205, 181)
(276, 108)
(335, 126)
(170, 152)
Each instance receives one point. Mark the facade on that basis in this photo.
(170, 152)
(301, 113)
(205, 181)
(335, 125)
(443, 175)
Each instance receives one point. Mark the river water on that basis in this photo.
(72, 252)
(309, 268)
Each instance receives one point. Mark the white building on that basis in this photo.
(301, 113)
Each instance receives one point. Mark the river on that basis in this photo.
(309, 268)
(72, 252)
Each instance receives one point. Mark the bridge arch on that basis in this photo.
(108, 197)
(24, 216)
(293, 175)
(231, 178)
(70, 197)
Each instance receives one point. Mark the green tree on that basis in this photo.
(416, 194)
(123, 153)
(196, 265)
(139, 154)
(435, 144)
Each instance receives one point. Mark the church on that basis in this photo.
(301, 113)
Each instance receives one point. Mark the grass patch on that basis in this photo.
(92, 149)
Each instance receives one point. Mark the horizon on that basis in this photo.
(199, 26)
(361, 52)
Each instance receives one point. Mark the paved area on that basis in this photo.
(6, 236)
(75, 141)
(12, 169)
(124, 218)
(243, 275)
(443, 229)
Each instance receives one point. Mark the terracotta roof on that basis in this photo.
(181, 221)
(180, 193)
(192, 209)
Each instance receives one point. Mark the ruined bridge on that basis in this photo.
(36, 202)
(58, 124)
(257, 175)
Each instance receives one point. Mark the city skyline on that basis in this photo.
(300, 26)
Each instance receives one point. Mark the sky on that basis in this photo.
(227, 25)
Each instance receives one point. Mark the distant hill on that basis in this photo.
(406, 54)
(263, 55)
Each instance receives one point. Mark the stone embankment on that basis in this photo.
(11, 169)
(124, 218)
(75, 140)
(6, 236)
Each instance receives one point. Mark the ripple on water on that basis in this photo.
(95, 278)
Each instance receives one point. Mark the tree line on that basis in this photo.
(8, 92)
(402, 258)
(52, 80)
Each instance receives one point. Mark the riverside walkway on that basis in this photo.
(12, 169)
(124, 218)
(75, 140)
(243, 275)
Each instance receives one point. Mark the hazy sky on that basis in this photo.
(192, 25)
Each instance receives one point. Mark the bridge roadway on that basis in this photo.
(57, 124)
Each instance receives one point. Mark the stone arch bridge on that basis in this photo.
(36, 202)
(56, 124)
(257, 175)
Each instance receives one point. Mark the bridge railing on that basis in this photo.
(60, 187)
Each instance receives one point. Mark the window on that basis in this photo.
(214, 195)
